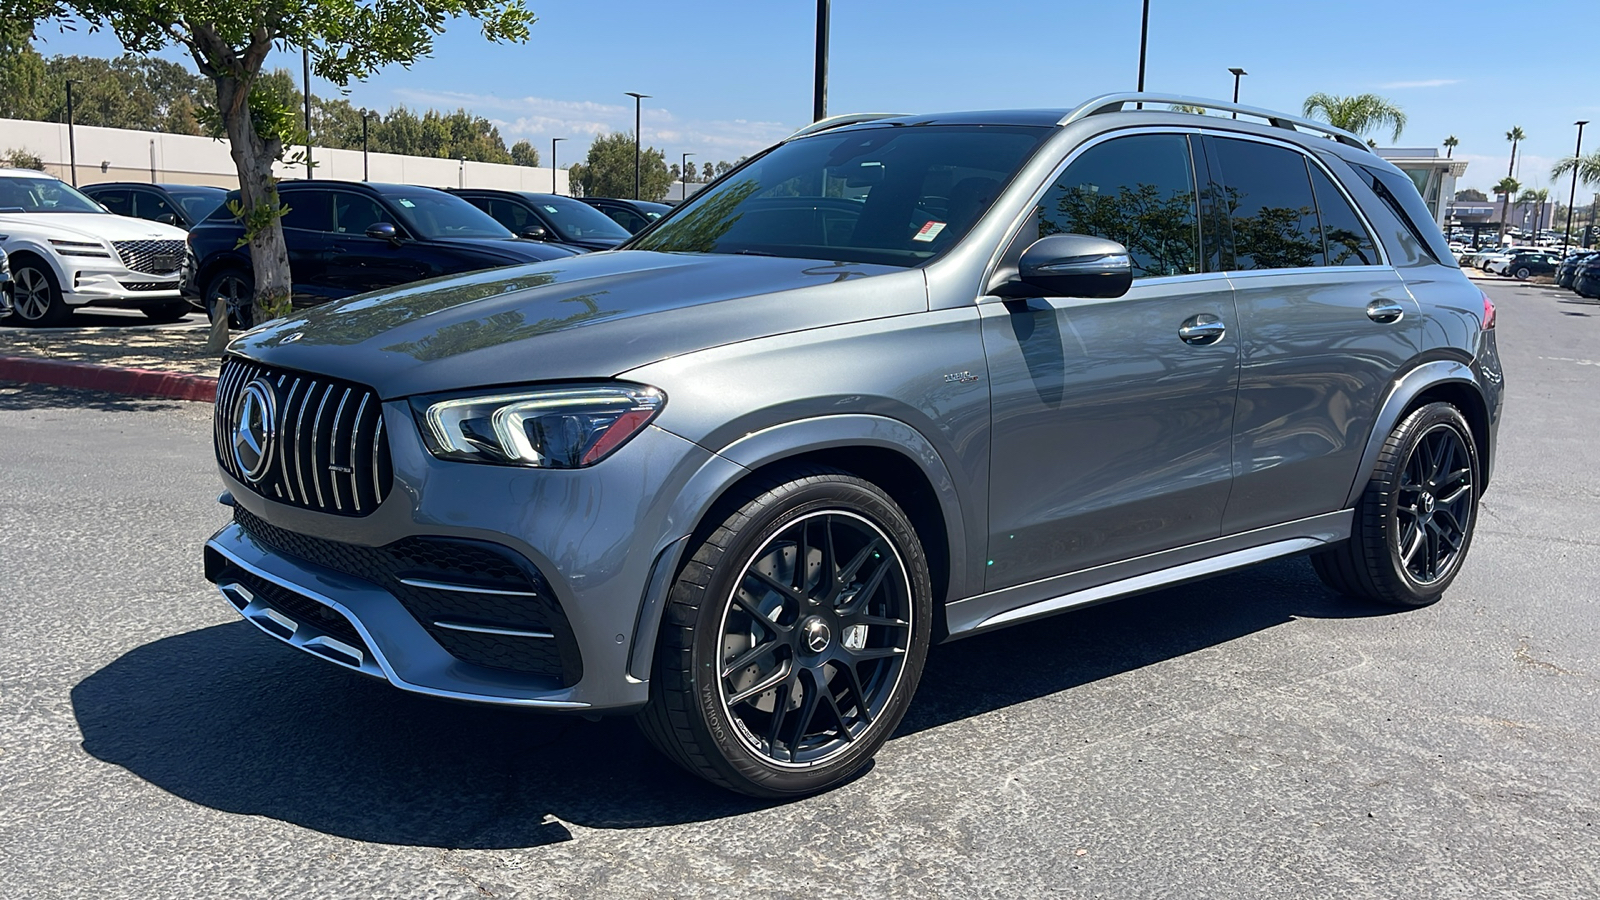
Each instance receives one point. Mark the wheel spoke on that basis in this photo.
(750, 656)
(756, 613)
(809, 701)
(848, 573)
(766, 684)
(869, 587)
(786, 590)
(1410, 552)
(833, 706)
(860, 695)
(886, 622)
(871, 653)
(828, 575)
(780, 711)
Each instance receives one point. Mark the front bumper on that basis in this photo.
(119, 288)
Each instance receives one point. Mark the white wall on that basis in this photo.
(115, 154)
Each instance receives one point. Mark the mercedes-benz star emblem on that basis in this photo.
(255, 429)
(817, 635)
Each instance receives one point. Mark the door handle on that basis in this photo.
(337, 249)
(1385, 311)
(1202, 329)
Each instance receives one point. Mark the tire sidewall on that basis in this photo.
(54, 311)
(796, 500)
(1415, 427)
(236, 319)
(1523, 273)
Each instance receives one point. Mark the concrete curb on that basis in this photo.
(115, 379)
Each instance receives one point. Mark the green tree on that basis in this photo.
(1358, 114)
(1506, 188)
(523, 153)
(1450, 144)
(1472, 194)
(1588, 167)
(708, 172)
(608, 170)
(229, 43)
(441, 135)
(22, 72)
(1186, 108)
(1536, 198)
(1515, 136)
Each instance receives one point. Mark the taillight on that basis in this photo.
(1488, 313)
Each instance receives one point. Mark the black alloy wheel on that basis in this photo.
(1413, 523)
(794, 638)
(1523, 272)
(235, 288)
(37, 298)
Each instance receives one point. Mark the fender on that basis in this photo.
(1406, 389)
(774, 444)
(29, 245)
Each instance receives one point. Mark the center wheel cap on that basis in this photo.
(816, 635)
(1426, 503)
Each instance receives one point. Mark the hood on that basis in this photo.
(515, 249)
(87, 227)
(590, 316)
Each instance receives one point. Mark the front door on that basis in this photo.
(1111, 430)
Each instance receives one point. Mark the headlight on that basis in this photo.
(553, 428)
(80, 248)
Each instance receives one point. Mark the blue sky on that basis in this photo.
(728, 78)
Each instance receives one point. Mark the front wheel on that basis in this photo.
(1523, 273)
(37, 300)
(237, 292)
(794, 637)
(1413, 523)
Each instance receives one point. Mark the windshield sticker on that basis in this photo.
(551, 209)
(407, 203)
(929, 231)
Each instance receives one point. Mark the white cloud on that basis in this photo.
(540, 118)
(1429, 83)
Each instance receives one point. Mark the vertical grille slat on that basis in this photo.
(330, 427)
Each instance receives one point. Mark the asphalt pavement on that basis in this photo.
(1249, 736)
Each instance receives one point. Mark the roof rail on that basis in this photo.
(1108, 103)
(832, 122)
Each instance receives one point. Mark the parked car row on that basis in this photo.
(71, 248)
(1580, 273)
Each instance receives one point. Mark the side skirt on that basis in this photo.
(1025, 602)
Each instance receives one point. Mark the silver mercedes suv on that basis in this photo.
(896, 380)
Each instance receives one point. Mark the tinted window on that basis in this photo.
(627, 218)
(434, 214)
(151, 205)
(198, 203)
(115, 200)
(1346, 241)
(1267, 199)
(355, 213)
(309, 210)
(1138, 191)
(576, 220)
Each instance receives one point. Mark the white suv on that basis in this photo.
(67, 251)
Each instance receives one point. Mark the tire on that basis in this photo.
(163, 313)
(37, 296)
(1523, 273)
(1413, 524)
(841, 642)
(237, 288)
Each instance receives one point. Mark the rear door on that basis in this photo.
(1111, 432)
(359, 263)
(308, 232)
(1325, 323)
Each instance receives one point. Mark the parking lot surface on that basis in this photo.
(1249, 736)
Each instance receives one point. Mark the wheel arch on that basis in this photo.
(1445, 380)
(28, 251)
(219, 263)
(889, 453)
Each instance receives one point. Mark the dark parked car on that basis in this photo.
(7, 289)
(633, 215)
(1586, 282)
(902, 380)
(548, 217)
(1526, 265)
(351, 237)
(1568, 270)
(183, 205)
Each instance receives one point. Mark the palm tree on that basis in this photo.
(1359, 113)
(1450, 145)
(1536, 198)
(1507, 187)
(1515, 136)
(1588, 168)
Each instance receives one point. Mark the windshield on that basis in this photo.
(435, 215)
(198, 203)
(894, 196)
(576, 221)
(43, 195)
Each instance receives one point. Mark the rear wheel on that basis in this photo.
(236, 289)
(793, 639)
(38, 296)
(1523, 272)
(1414, 522)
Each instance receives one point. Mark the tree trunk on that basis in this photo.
(258, 194)
(1505, 210)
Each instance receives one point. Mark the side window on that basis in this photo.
(1138, 191)
(626, 218)
(309, 211)
(1400, 195)
(116, 201)
(150, 205)
(1267, 198)
(353, 214)
(1346, 240)
(511, 215)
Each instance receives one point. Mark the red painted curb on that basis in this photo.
(117, 380)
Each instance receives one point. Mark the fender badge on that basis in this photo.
(960, 378)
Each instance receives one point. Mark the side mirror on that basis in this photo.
(167, 218)
(383, 231)
(534, 233)
(1076, 265)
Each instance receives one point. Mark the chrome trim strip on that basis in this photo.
(377, 444)
(297, 634)
(316, 436)
(462, 588)
(283, 451)
(333, 450)
(300, 420)
(355, 432)
(490, 629)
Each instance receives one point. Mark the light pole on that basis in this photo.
(305, 63)
(638, 99)
(1237, 74)
(72, 140)
(1144, 37)
(1577, 154)
(683, 175)
(819, 87)
(553, 164)
(365, 172)
(461, 173)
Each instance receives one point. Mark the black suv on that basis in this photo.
(183, 205)
(346, 237)
(633, 215)
(548, 217)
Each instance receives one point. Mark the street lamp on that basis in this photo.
(72, 139)
(1237, 74)
(683, 175)
(1573, 195)
(637, 100)
(305, 62)
(461, 173)
(365, 172)
(553, 164)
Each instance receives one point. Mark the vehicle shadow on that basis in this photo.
(232, 720)
(15, 396)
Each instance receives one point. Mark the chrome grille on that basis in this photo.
(151, 257)
(329, 453)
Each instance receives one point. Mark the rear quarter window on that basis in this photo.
(1399, 193)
